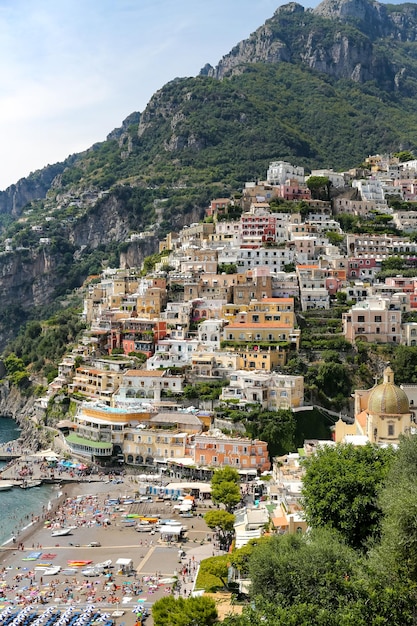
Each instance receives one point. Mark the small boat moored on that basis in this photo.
(28, 484)
(6, 486)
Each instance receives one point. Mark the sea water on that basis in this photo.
(17, 506)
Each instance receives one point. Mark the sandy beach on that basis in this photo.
(156, 564)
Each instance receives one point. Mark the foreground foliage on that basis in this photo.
(341, 488)
(184, 612)
(319, 579)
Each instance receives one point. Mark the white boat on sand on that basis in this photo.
(51, 571)
(62, 532)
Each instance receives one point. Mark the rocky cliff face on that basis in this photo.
(105, 222)
(23, 410)
(27, 277)
(30, 277)
(340, 38)
(33, 187)
(376, 20)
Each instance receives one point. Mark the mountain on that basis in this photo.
(321, 88)
(359, 40)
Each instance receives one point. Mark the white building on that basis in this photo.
(281, 171)
(210, 333)
(337, 180)
(370, 189)
(271, 390)
(273, 257)
(172, 353)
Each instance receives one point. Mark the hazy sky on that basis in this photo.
(72, 70)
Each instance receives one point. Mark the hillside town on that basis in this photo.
(221, 304)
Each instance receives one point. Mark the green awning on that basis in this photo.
(81, 441)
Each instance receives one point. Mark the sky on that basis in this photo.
(72, 70)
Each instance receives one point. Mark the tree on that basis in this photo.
(404, 363)
(398, 549)
(316, 569)
(227, 268)
(226, 474)
(277, 428)
(240, 558)
(334, 238)
(340, 490)
(227, 493)
(333, 378)
(217, 566)
(225, 487)
(404, 155)
(223, 523)
(169, 611)
(13, 364)
(319, 187)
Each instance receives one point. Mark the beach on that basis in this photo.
(101, 532)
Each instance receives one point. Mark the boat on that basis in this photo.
(78, 563)
(149, 520)
(104, 565)
(93, 570)
(51, 571)
(28, 484)
(62, 532)
(6, 486)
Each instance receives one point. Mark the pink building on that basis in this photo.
(260, 226)
(360, 268)
(291, 190)
(375, 320)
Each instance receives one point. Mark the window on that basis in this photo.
(377, 318)
(361, 318)
(391, 429)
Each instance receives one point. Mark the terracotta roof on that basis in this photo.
(145, 373)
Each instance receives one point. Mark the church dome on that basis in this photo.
(387, 398)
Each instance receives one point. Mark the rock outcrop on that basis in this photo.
(337, 38)
(33, 187)
(22, 409)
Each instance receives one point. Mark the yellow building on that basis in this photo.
(382, 414)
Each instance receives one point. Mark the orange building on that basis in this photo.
(220, 451)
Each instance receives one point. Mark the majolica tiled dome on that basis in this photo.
(387, 398)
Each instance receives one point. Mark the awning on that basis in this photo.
(170, 530)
